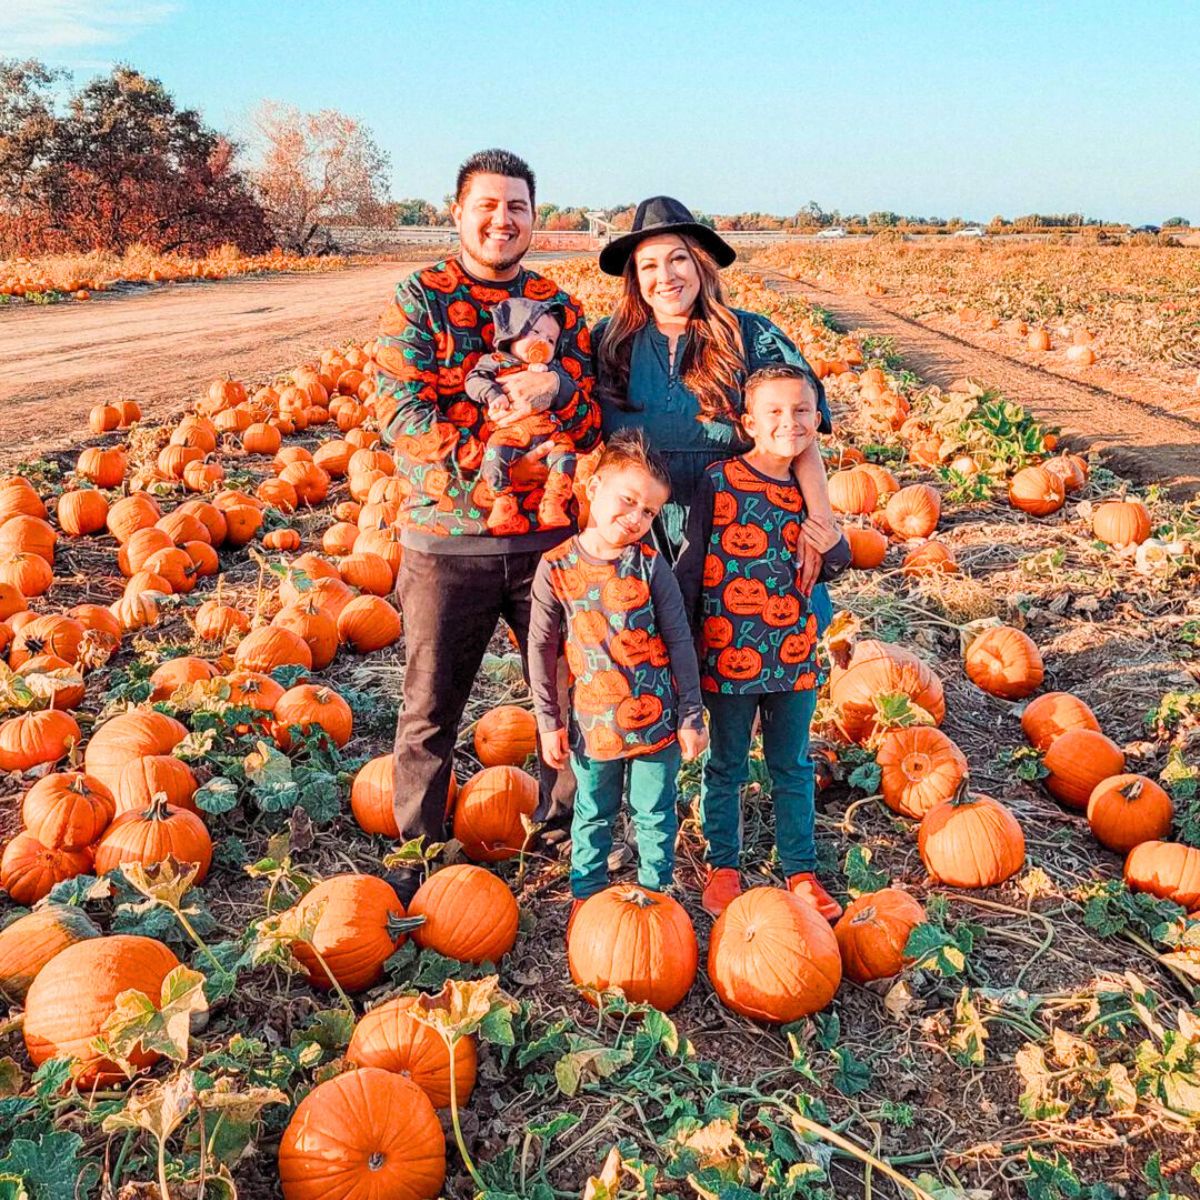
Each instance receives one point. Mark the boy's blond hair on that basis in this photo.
(629, 448)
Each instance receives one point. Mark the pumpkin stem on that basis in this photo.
(376, 1161)
(1132, 790)
(158, 807)
(638, 898)
(398, 926)
(962, 793)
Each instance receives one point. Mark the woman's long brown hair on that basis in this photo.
(715, 357)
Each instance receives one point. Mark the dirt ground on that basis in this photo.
(1149, 430)
(162, 346)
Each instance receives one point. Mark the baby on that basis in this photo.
(525, 339)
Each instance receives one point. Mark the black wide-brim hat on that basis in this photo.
(658, 215)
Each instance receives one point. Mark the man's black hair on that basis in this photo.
(494, 162)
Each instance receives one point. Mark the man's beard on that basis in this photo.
(498, 261)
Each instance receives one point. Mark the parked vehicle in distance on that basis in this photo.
(835, 231)
(971, 231)
(1146, 229)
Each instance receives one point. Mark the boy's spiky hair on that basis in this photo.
(629, 448)
(494, 162)
(775, 371)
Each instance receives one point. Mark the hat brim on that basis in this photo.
(615, 255)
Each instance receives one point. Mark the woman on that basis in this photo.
(673, 356)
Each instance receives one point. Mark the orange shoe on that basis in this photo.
(504, 509)
(576, 905)
(808, 887)
(722, 887)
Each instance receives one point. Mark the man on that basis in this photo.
(458, 577)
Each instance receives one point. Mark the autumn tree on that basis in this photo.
(315, 169)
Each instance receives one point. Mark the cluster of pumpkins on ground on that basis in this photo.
(771, 957)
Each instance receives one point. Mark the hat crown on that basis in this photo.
(658, 211)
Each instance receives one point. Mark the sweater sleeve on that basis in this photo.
(835, 560)
(480, 384)
(672, 622)
(545, 642)
(766, 343)
(689, 570)
(578, 414)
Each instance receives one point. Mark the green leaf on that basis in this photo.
(219, 795)
(48, 1167)
(866, 777)
(330, 1028)
(559, 1123)
(497, 1028)
(933, 948)
(860, 879)
(594, 1062)
(51, 1077)
(829, 1029)
(852, 1075)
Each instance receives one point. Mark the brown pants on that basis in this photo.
(451, 604)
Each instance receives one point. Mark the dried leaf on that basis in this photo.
(136, 1020)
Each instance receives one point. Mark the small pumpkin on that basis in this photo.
(868, 547)
(1037, 491)
(873, 931)
(1121, 522)
(1005, 662)
(914, 511)
(773, 957)
(152, 834)
(29, 870)
(1052, 714)
(489, 813)
(307, 705)
(505, 736)
(1126, 810)
(272, 646)
(33, 738)
(314, 626)
(1169, 870)
(637, 941)
(132, 734)
(853, 491)
(1077, 761)
(82, 512)
(931, 558)
(470, 915)
(67, 810)
(178, 673)
(919, 768)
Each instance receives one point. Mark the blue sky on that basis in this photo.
(943, 107)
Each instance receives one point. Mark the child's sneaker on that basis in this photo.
(722, 887)
(504, 509)
(808, 887)
(554, 511)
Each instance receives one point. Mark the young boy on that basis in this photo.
(757, 638)
(635, 687)
(525, 339)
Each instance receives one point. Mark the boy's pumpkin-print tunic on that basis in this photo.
(739, 575)
(629, 650)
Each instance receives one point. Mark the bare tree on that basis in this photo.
(314, 169)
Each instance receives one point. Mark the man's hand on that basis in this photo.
(811, 562)
(530, 392)
(555, 750)
(692, 743)
(529, 471)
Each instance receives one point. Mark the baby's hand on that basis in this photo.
(692, 743)
(499, 408)
(555, 749)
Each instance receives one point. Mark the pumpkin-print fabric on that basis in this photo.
(430, 337)
(632, 665)
(755, 632)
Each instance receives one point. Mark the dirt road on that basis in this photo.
(1146, 431)
(161, 347)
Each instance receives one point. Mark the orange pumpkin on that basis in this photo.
(33, 738)
(971, 841)
(505, 736)
(368, 623)
(1078, 760)
(141, 779)
(875, 669)
(306, 706)
(1121, 522)
(1168, 870)
(470, 915)
(914, 511)
(67, 810)
(29, 870)
(152, 834)
(873, 931)
(1126, 810)
(490, 812)
(1005, 662)
(1052, 714)
(1037, 491)
(919, 768)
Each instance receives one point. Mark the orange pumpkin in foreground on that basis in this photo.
(469, 914)
(490, 814)
(873, 931)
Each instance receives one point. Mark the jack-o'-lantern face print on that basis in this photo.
(718, 632)
(599, 694)
(739, 663)
(568, 580)
(784, 496)
(464, 413)
(725, 507)
(623, 593)
(744, 541)
(602, 741)
(742, 478)
(576, 662)
(796, 647)
(714, 570)
(791, 535)
(589, 627)
(745, 597)
(637, 712)
(630, 647)
(658, 653)
(781, 611)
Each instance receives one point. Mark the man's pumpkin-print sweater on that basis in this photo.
(739, 574)
(435, 330)
(632, 662)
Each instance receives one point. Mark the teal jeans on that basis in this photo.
(786, 721)
(600, 786)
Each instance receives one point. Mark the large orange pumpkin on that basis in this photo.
(368, 623)
(30, 942)
(1121, 522)
(391, 1038)
(1169, 870)
(873, 931)
(310, 622)
(1052, 714)
(1037, 491)
(868, 547)
(152, 834)
(505, 736)
(67, 810)
(773, 957)
(852, 491)
(128, 736)
(489, 811)
(354, 934)
(919, 768)
(914, 511)
(1005, 662)
(971, 841)
(76, 991)
(371, 796)
(34, 738)
(271, 646)
(1077, 761)
(1126, 810)
(470, 914)
(637, 940)
(29, 870)
(366, 1135)
(143, 778)
(877, 669)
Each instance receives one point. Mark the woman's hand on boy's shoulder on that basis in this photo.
(692, 742)
(555, 748)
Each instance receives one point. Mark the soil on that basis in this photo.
(1146, 428)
